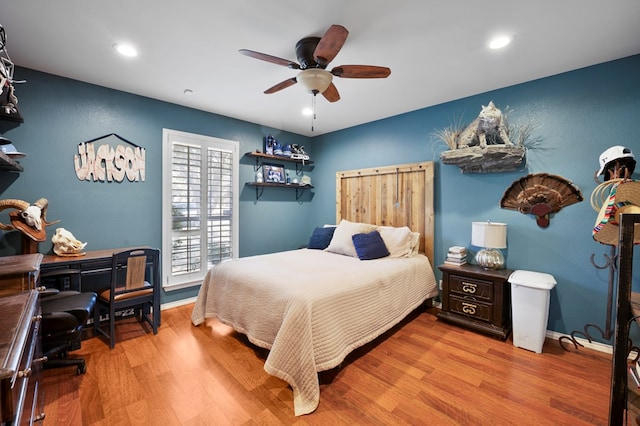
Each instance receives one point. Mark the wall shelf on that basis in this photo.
(7, 164)
(262, 158)
(261, 186)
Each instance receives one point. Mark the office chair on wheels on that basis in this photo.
(64, 314)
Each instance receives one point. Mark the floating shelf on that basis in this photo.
(261, 186)
(8, 164)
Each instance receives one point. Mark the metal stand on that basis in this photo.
(611, 264)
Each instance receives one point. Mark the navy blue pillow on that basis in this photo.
(321, 238)
(370, 246)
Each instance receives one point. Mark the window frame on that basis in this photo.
(169, 137)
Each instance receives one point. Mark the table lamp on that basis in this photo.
(492, 237)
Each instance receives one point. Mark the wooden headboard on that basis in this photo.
(400, 195)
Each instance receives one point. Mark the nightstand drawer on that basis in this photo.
(465, 286)
(470, 308)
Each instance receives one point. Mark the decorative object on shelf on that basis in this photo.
(269, 141)
(540, 194)
(274, 173)
(305, 180)
(259, 177)
(8, 99)
(492, 236)
(65, 244)
(9, 149)
(109, 164)
(487, 145)
(298, 153)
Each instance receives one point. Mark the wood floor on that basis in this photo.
(423, 371)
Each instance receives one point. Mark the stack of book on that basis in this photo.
(456, 256)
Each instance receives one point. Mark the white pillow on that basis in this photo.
(415, 243)
(342, 243)
(397, 240)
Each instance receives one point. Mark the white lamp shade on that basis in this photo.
(489, 235)
(314, 79)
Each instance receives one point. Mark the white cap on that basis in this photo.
(614, 153)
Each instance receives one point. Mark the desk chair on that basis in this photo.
(135, 283)
(64, 314)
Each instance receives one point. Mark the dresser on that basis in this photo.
(476, 298)
(21, 400)
(19, 273)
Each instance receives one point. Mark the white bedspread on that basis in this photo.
(311, 308)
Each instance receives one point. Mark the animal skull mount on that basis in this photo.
(540, 194)
(29, 219)
(65, 244)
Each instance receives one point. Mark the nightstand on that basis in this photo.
(476, 298)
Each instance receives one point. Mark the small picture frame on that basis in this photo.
(274, 173)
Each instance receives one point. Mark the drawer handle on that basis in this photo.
(42, 359)
(469, 308)
(25, 373)
(469, 287)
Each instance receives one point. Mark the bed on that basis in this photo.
(311, 307)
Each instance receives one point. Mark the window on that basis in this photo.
(199, 206)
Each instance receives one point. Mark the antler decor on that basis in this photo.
(29, 219)
(540, 194)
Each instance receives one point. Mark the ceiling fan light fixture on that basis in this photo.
(315, 80)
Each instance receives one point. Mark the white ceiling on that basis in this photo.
(436, 49)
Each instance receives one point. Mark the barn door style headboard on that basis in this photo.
(400, 195)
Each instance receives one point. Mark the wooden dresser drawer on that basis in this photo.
(20, 360)
(478, 289)
(470, 308)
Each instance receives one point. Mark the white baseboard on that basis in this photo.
(596, 346)
(177, 303)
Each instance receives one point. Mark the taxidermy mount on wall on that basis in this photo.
(486, 145)
(540, 194)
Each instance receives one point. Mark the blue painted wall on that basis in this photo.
(61, 113)
(578, 115)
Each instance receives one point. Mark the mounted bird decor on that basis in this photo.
(540, 194)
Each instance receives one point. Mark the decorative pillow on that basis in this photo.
(321, 238)
(341, 243)
(415, 243)
(397, 240)
(370, 246)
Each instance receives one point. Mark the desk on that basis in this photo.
(94, 267)
(95, 271)
(19, 273)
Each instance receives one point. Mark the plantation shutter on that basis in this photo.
(202, 209)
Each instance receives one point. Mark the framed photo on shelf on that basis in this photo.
(274, 173)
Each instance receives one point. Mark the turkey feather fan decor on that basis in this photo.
(540, 194)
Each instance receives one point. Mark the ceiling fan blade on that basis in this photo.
(361, 71)
(330, 44)
(282, 85)
(331, 94)
(269, 58)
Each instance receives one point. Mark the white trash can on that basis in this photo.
(530, 294)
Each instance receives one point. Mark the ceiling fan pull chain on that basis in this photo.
(313, 108)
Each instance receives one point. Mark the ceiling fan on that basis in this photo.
(314, 54)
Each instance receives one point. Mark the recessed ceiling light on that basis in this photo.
(499, 42)
(126, 49)
(307, 111)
